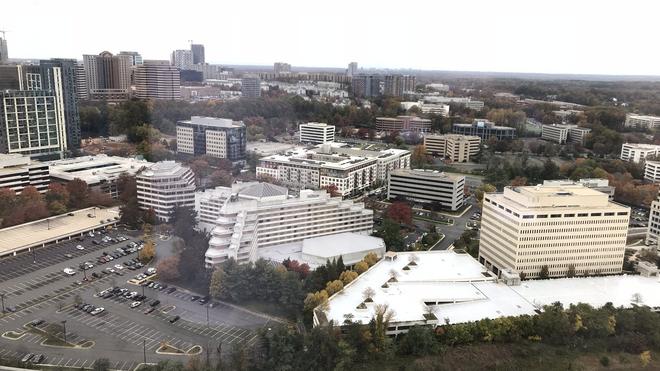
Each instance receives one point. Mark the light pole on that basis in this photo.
(2, 296)
(144, 350)
(207, 316)
(64, 329)
(34, 255)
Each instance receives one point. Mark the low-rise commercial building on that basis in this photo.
(403, 123)
(454, 147)
(561, 228)
(636, 152)
(485, 129)
(100, 172)
(434, 288)
(18, 172)
(427, 186)
(350, 170)
(642, 121)
(652, 171)
(164, 186)
(466, 102)
(563, 134)
(260, 215)
(316, 133)
(212, 136)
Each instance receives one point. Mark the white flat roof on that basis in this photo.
(465, 291)
(339, 244)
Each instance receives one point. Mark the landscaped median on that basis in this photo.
(166, 348)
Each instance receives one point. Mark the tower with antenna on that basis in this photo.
(4, 56)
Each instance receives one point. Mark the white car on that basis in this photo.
(97, 311)
(110, 270)
(69, 271)
(80, 247)
(151, 271)
(135, 304)
(90, 234)
(118, 266)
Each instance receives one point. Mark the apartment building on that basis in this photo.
(258, 216)
(100, 172)
(198, 54)
(316, 133)
(636, 152)
(427, 186)
(213, 136)
(366, 86)
(251, 86)
(397, 85)
(563, 134)
(18, 171)
(182, 59)
(281, 68)
(561, 227)
(165, 185)
(642, 121)
(653, 232)
(350, 170)
(485, 130)
(157, 80)
(454, 147)
(403, 123)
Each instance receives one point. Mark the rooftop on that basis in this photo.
(23, 236)
(164, 168)
(427, 173)
(652, 147)
(456, 288)
(553, 197)
(213, 122)
(94, 169)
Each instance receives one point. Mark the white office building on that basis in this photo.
(100, 172)
(636, 152)
(351, 170)
(642, 121)
(599, 184)
(653, 232)
(316, 133)
(182, 59)
(652, 171)
(560, 227)
(563, 134)
(261, 215)
(18, 172)
(165, 185)
(427, 186)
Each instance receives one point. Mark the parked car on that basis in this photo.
(80, 247)
(37, 322)
(149, 310)
(69, 271)
(154, 303)
(135, 304)
(27, 358)
(174, 319)
(38, 358)
(97, 311)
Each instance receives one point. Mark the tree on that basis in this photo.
(390, 232)
(481, 190)
(371, 258)
(148, 252)
(418, 158)
(221, 178)
(168, 268)
(333, 287)
(368, 294)
(400, 212)
(571, 270)
(347, 277)
(645, 358)
(78, 194)
(216, 285)
(544, 273)
(518, 181)
(313, 300)
(332, 189)
(361, 267)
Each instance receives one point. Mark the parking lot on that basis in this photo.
(120, 333)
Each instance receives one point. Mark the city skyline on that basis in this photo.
(568, 39)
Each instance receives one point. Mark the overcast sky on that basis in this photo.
(576, 36)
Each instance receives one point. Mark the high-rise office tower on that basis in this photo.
(134, 57)
(182, 59)
(352, 69)
(63, 84)
(251, 86)
(156, 79)
(108, 76)
(4, 56)
(197, 53)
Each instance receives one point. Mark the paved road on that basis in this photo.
(45, 292)
(451, 232)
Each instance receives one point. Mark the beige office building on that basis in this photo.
(642, 121)
(526, 228)
(164, 186)
(455, 147)
(403, 123)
